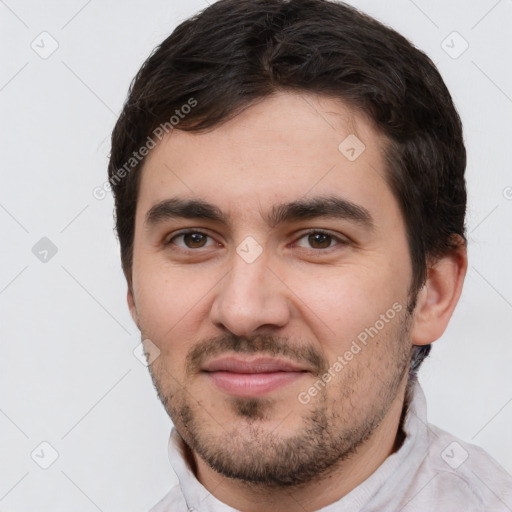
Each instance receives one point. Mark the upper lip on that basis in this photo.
(254, 365)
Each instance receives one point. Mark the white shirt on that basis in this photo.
(432, 471)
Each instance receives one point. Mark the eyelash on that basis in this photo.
(341, 242)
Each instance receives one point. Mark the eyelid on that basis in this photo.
(341, 240)
(187, 232)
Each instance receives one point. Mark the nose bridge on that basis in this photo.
(247, 279)
(250, 296)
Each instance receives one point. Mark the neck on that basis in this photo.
(331, 487)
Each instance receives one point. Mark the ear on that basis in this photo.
(131, 305)
(439, 295)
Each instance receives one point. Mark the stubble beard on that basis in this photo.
(252, 453)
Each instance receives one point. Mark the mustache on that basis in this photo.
(267, 345)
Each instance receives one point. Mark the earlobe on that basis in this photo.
(437, 299)
(131, 305)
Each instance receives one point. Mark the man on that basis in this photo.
(290, 203)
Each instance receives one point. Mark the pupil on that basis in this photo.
(321, 239)
(195, 239)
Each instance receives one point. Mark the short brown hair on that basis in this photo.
(236, 52)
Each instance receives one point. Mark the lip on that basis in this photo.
(252, 377)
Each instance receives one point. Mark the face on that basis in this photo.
(271, 271)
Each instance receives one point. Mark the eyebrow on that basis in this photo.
(301, 209)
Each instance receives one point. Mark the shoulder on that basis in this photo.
(456, 475)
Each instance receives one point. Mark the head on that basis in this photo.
(316, 159)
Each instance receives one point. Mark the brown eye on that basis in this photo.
(190, 240)
(194, 240)
(320, 240)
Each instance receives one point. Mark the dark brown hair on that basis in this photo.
(237, 52)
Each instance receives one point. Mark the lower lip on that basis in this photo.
(252, 384)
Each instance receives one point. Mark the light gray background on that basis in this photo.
(67, 372)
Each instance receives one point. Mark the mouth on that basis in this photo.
(252, 377)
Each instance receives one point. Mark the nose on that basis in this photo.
(251, 299)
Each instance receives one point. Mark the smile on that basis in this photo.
(249, 378)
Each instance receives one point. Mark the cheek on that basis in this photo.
(339, 304)
(349, 295)
(166, 305)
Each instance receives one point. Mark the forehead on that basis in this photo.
(286, 147)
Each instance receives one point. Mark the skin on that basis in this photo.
(303, 298)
